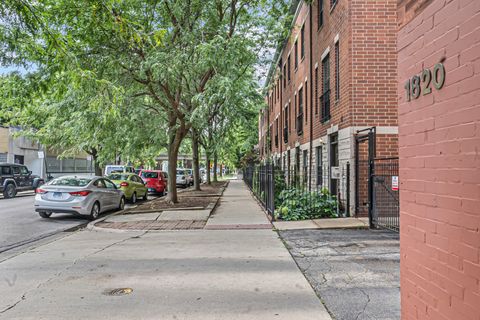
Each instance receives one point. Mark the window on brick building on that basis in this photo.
(288, 114)
(289, 67)
(284, 76)
(300, 101)
(299, 118)
(320, 13)
(306, 101)
(337, 71)
(325, 98)
(296, 54)
(316, 90)
(332, 3)
(295, 111)
(302, 42)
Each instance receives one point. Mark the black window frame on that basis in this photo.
(302, 42)
(337, 71)
(325, 98)
(289, 67)
(284, 75)
(320, 8)
(295, 47)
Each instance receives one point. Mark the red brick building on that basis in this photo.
(439, 121)
(335, 75)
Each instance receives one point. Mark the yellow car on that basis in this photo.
(131, 184)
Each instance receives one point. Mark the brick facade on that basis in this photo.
(358, 40)
(439, 151)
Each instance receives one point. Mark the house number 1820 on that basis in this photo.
(421, 83)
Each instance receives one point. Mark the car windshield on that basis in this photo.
(149, 174)
(114, 169)
(70, 182)
(180, 172)
(118, 176)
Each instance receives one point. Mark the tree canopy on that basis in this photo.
(131, 77)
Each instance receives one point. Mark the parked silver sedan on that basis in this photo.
(79, 195)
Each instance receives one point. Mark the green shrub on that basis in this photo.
(296, 204)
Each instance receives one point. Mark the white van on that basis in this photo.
(118, 168)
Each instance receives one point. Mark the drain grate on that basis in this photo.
(118, 292)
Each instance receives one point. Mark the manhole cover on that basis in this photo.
(119, 292)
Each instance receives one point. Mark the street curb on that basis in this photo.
(92, 227)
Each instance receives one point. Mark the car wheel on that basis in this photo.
(161, 194)
(95, 211)
(45, 214)
(134, 198)
(121, 206)
(9, 191)
(145, 197)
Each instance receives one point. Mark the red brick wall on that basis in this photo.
(374, 63)
(439, 140)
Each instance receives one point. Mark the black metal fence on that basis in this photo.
(385, 197)
(291, 193)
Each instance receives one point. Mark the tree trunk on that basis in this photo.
(94, 154)
(221, 170)
(215, 164)
(175, 140)
(209, 180)
(196, 164)
(98, 169)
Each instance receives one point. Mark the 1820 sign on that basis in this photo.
(422, 84)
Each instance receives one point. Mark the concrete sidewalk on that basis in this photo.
(184, 274)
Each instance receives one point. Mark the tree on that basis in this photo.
(158, 55)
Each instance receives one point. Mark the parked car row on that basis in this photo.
(90, 196)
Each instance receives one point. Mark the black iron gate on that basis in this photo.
(365, 150)
(385, 194)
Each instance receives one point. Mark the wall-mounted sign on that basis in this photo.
(421, 84)
(335, 172)
(394, 183)
(41, 155)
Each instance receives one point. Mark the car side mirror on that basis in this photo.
(29, 172)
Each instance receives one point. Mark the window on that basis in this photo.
(3, 157)
(288, 118)
(284, 76)
(296, 54)
(109, 184)
(16, 170)
(333, 3)
(23, 170)
(295, 107)
(319, 165)
(5, 170)
(289, 68)
(325, 99)
(300, 101)
(302, 42)
(337, 71)
(306, 101)
(320, 13)
(316, 90)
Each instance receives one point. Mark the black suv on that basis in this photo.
(16, 177)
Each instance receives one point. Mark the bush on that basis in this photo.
(298, 204)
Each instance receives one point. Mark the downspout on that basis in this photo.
(311, 99)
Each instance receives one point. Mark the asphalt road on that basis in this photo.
(20, 224)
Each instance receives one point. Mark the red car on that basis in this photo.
(155, 180)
